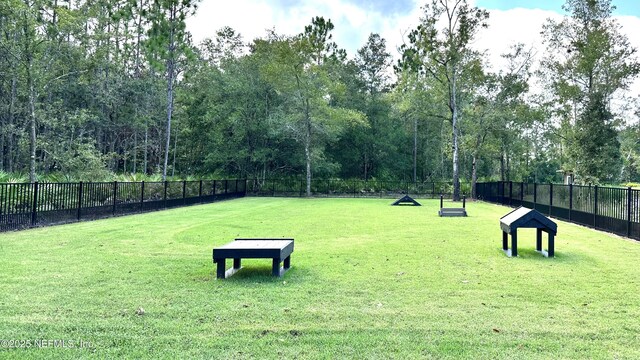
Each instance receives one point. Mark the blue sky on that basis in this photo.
(623, 7)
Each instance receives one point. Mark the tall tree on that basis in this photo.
(596, 143)
(169, 43)
(299, 70)
(588, 62)
(373, 63)
(442, 54)
(30, 47)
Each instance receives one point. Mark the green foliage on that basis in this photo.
(595, 146)
(167, 37)
(587, 63)
(83, 161)
(117, 87)
(6, 177)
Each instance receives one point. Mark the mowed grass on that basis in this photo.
(368, 280)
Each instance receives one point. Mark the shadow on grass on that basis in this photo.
(561, 257)
(261, 274)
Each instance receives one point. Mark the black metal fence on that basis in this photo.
(615, 210)
(38, 204)
(350, 188)
(25, 205)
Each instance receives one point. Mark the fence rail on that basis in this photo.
(615, 210)
(350, 188)
(38, 204)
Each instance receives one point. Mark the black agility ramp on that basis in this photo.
(406, 200)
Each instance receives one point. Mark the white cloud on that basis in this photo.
(524, 25)
(353, 24)
(251, 18)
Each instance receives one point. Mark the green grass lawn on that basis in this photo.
(368, 280)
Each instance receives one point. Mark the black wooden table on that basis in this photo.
(279, 250)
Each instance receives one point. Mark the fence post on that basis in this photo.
(570, 200)
(236, 186)
(214, 190)
(226, 186)
(200, 191)
(142, 196)
(184, 192)
(165, 194)
(115, 195)
(595, 206)
(521, 192)
(34, 207)
(354, 188)
(535, 194)
(79, 200)
(629, 211)
(510, 192)
(550, 197)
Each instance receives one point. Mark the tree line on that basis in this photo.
(90, 89)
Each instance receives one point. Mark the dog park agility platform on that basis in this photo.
(523, 217)
(452, 212)
(279, 250)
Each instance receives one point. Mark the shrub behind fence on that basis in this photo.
(350, 188)
(615, 210)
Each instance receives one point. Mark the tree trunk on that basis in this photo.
(170, 75)
(124, 158)
(3, 134)
(366, 165)
(501, 166)
(135, 150)
(474, 175)
(112, 150)
(32, 120)
(170, 66)
(146, 147)
(307, 146)
(508, 169)
(139, 36)
(175, 151)
(169, 113)
(11, 135)
(32, 138)
(454, 118)
(415, 149)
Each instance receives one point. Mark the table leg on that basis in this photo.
(287, 262)
(275, 269)
(539, 239)
(236, 263)
(551, 250)
(222, 267)
(514, 244)
(505, 241)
